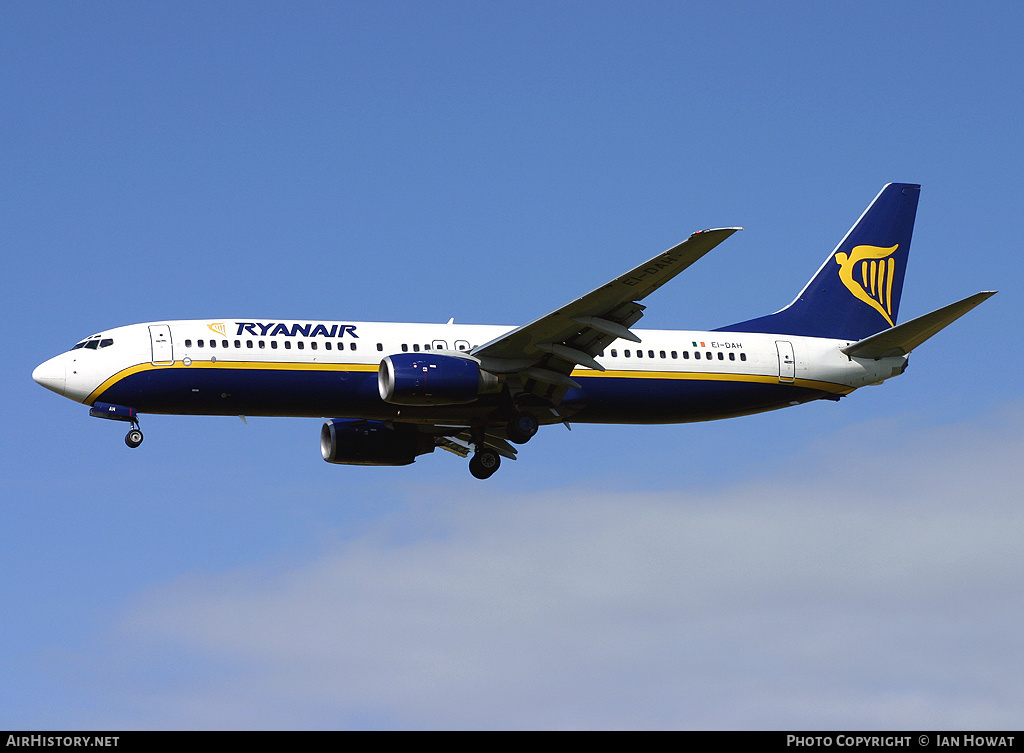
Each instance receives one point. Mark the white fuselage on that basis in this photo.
(125, 364)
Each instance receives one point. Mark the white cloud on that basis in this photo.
(875, 583)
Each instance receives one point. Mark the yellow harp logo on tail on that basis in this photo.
(868, 272)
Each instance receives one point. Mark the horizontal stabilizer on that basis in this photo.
(903, 338)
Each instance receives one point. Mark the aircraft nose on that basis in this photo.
(50, 374)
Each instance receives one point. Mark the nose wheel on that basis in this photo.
(133, 438)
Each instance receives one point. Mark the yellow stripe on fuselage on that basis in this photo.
(243, 365)
(713, 376)
(705, 376)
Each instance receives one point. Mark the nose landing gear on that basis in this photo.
(120, 413)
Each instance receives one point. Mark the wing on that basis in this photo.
(544, 352)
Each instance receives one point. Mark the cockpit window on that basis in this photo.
(94, 342)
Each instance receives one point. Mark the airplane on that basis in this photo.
(391, 392)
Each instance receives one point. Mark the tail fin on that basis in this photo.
(856, 292)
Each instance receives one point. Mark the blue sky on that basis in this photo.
(837, 565)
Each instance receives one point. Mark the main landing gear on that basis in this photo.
(484, 463)
(521, 427)
(485, 460)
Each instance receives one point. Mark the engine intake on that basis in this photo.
(352, 441)
(432, 379)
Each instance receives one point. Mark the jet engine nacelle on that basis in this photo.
(432, 379)
(352, 441)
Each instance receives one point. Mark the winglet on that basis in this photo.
(903, 338)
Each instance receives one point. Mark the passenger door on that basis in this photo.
(163, 351)
(787, 361)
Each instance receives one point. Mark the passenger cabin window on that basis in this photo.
(188, 344)
(416, 347)
(312, 345)
(405, 348)
(352, 346)
(300, 345)
(238, 343)
(287, 344)
(273, 344)
(380, 346)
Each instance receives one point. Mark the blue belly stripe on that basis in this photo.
(337, 391)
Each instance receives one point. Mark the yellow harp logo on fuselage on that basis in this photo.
(868, 272)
